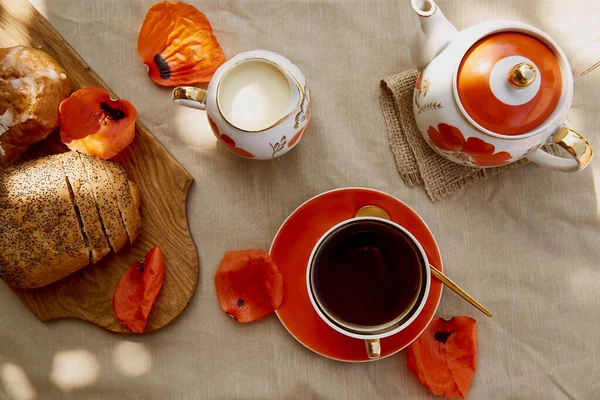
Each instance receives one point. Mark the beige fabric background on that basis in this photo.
(525, 243)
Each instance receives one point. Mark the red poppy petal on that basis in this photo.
(138, 290)
(494, 160)
(152, 279)
(126, 300)
(297, 136)
(452, 135)
(227, 140)
(92, 123)
(213, 126)
(177, 44)
(249, 285)
(444, 357)
(437, 139)
(79, 114)
(242, 152)
(476, 146)
(450, 139)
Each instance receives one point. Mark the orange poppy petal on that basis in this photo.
(475, 146)
(483, 155)
(138, 290)
(249, 285)
(79, 113)
(297, 136)
(444, 357)
(447, 139)
(242, 152)
(452, 135)
(92, 123)
(230, 143)
(494, 160)
(177, 45)
(213, 127)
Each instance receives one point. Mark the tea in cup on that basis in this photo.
(258, 104)
(368, 278)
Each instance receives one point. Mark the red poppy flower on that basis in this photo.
(249, 285)
(444, 357)
(450, 138)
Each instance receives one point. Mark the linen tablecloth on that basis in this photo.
(526, 243)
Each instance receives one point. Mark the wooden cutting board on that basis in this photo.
(163, 182)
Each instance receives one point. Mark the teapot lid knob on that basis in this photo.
(522, 75)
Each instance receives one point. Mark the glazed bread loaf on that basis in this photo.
(59, 213)
(32, 86)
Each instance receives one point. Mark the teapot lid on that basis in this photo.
(509, 83)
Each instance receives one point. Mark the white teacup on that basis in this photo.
(399, 262)
(258, 104)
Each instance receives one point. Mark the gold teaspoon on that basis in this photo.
(374, 211)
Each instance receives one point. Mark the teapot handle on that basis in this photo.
(578, 147)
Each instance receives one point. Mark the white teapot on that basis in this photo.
(493, 93)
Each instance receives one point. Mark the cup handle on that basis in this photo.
(190, 96)
(578, 147)
(373, 348)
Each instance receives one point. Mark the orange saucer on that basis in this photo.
(291, 250)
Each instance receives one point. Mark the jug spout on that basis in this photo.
(435, 34)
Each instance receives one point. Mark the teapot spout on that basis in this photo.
(435, 34)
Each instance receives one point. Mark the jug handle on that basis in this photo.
(190, 96)
(574, 143)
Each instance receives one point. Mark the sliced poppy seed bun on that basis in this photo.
(41, 240)
(106, 199)
(135, 195)
(86, 205)
(128, 206)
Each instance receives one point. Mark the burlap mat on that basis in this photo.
(417, 163)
